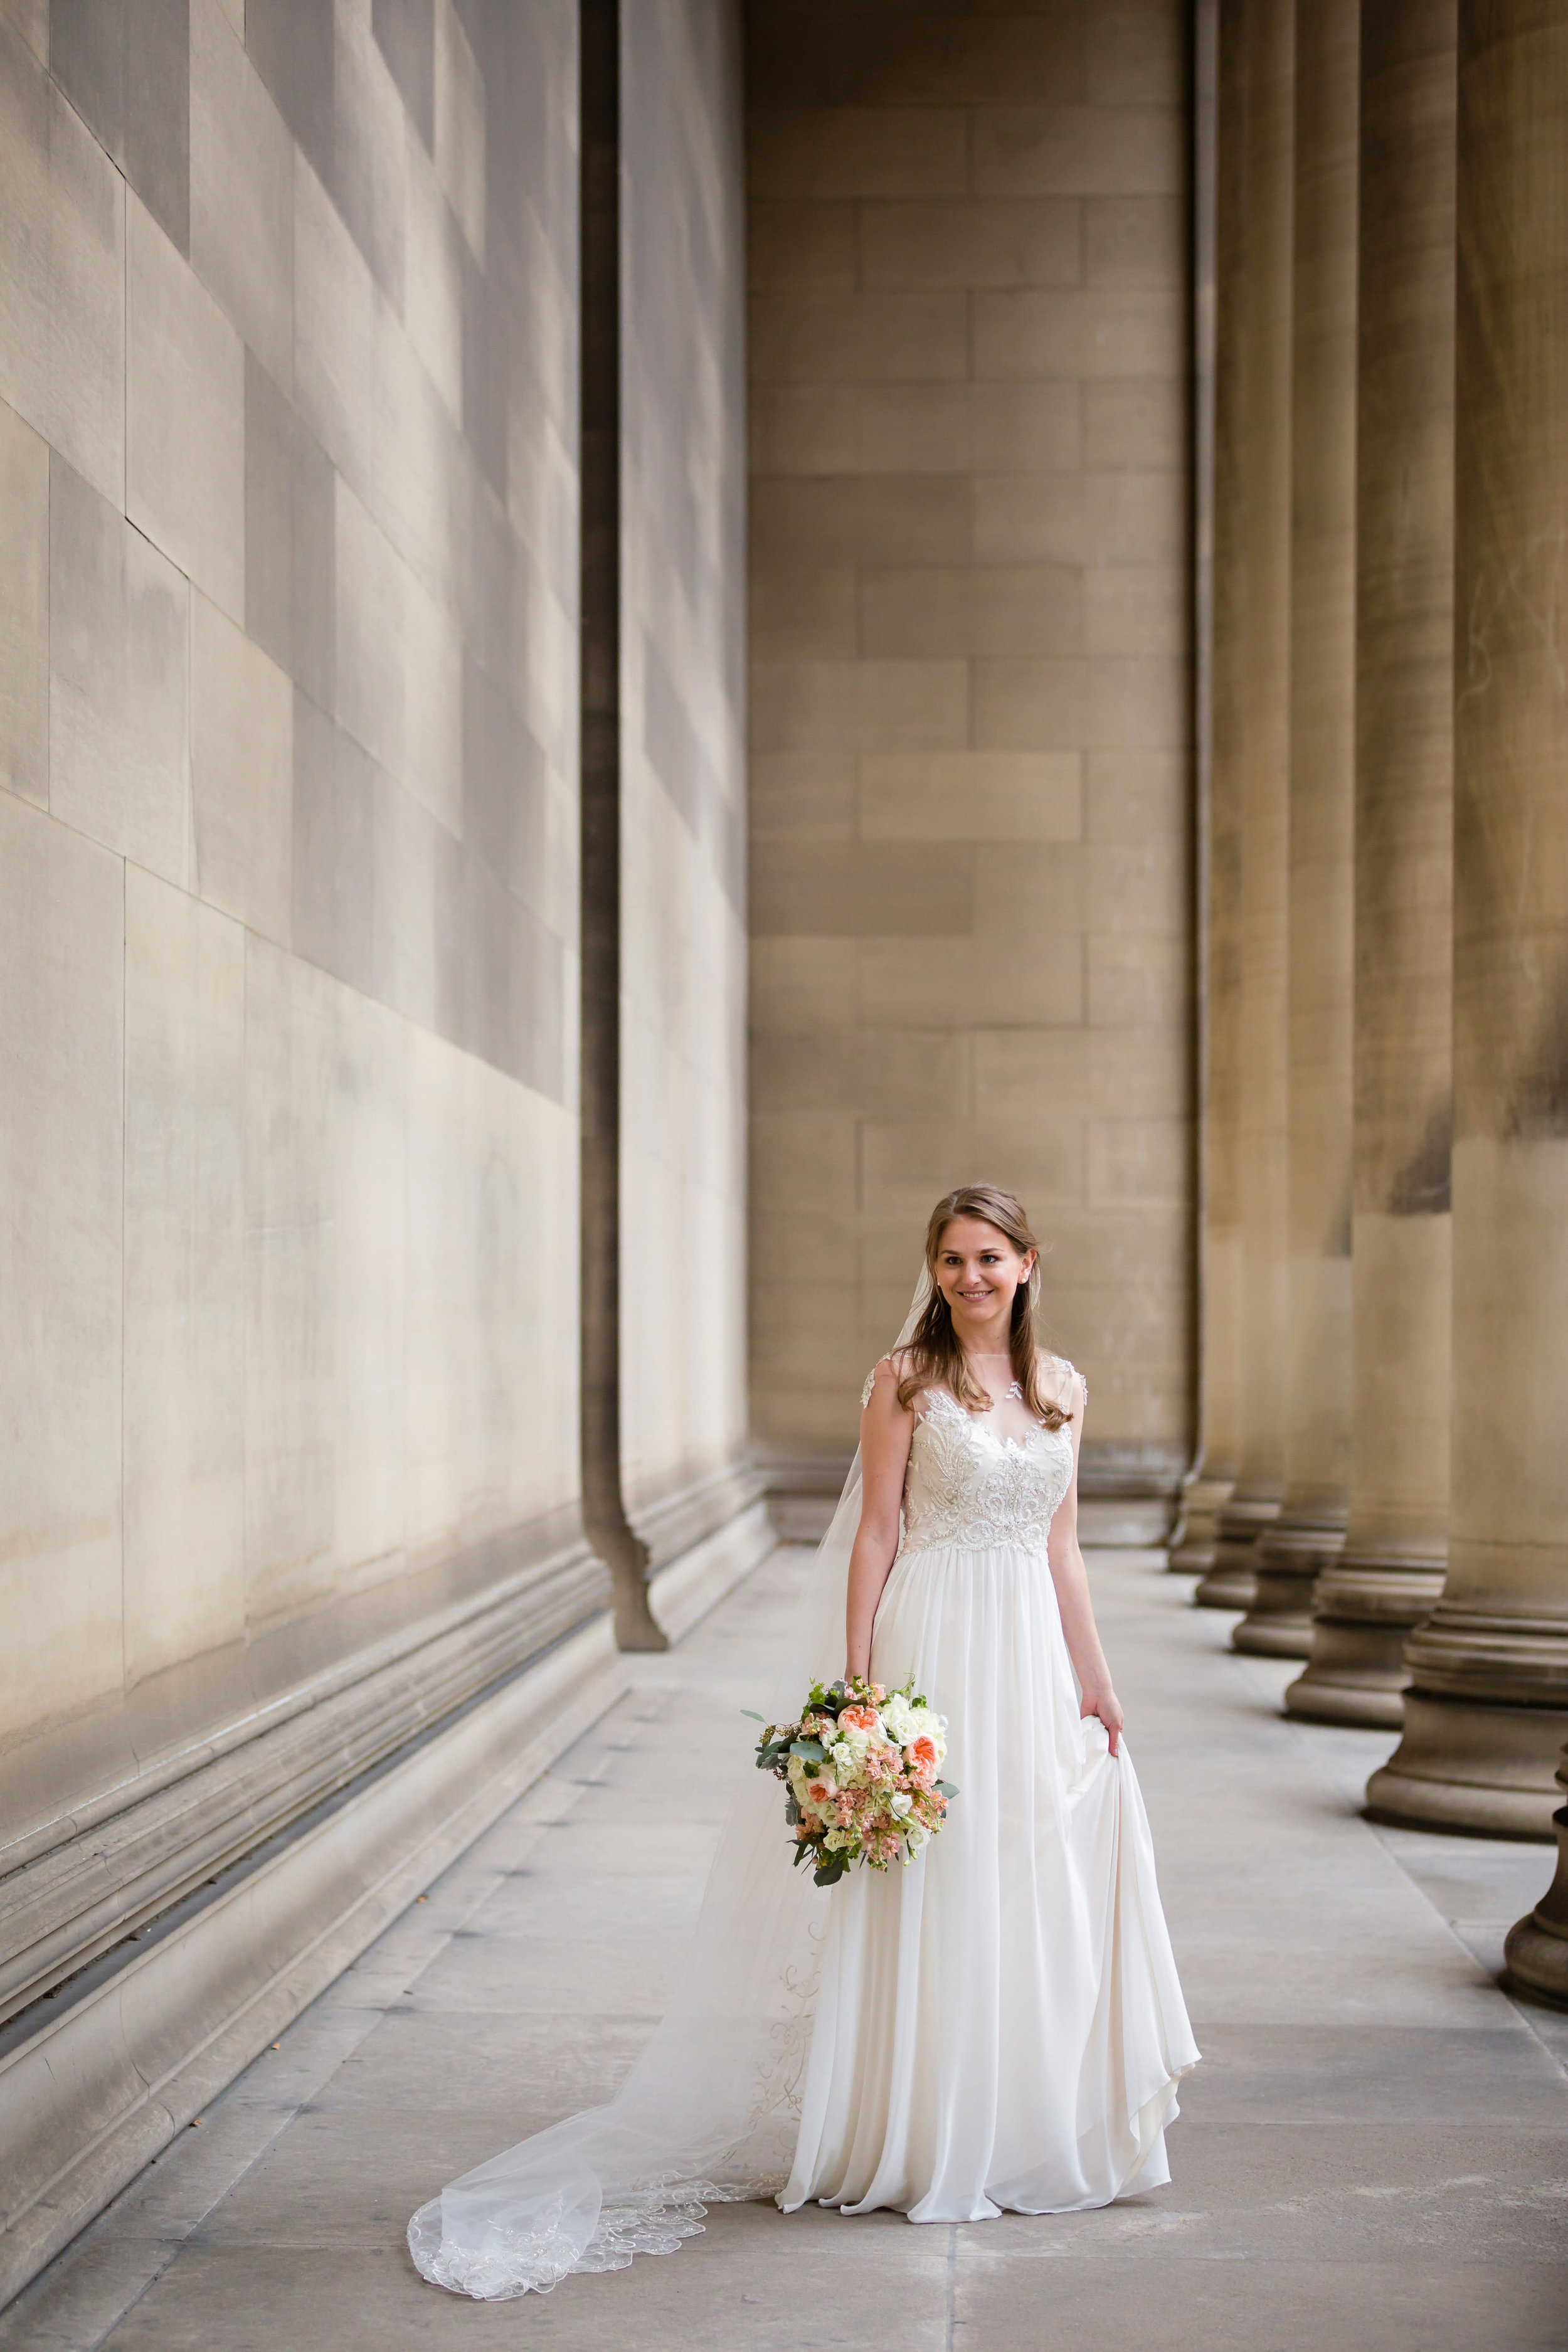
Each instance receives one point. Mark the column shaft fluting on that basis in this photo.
(1389, 1573)
(1310, 1526)
(1263, 33)
(1486, 1708)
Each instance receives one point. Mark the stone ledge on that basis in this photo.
(685, 1589)
(701, 1540)
(85, 1893)
(99, 2076)
(675, 1524)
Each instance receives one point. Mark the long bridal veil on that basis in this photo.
(710, 2111)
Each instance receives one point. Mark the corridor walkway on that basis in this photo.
(1374, 2153)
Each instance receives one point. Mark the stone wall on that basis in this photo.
(290, 852)
(971, 765)
(293, 1571)
(683, 621)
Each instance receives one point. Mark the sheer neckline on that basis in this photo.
(984, 1421)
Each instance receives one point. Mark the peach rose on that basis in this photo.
(857, 1718)
(921, 1758)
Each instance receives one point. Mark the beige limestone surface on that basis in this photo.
(1252, 428)
(1389, 1572)
(1219, 238)
(1372, 2154)
(970, 740)
(1315, 1340)
(1487, 1706)
(287, 806)
(683, 771)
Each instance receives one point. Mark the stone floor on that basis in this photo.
(1374, 2153)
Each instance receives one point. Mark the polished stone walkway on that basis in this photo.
(1373, 2154)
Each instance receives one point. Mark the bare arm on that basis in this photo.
(1071, 1581)
(885, 1429)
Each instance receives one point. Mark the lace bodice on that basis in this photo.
(969, 1486)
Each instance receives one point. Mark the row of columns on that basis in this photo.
(1383, 1485)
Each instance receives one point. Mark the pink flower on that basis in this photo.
(922, 1760)
(857, 1718)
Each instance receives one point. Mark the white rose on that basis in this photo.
(899, 1719)
(837, 1840)
(918, 1835)
(845, 1762)
(900, 1805)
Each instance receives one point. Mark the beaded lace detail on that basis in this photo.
(967, 1487)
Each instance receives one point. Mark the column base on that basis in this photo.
(1365, 1607)
(1232, 1581)
(1229, 1584)
(1355, 1673)
(1291, 1554)
(1288, 1634)
(1196, 1532)
(1464, 1764)
(1537, 1946)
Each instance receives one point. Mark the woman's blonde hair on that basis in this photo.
(934, 1358)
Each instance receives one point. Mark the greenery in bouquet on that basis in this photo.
(860, 1770)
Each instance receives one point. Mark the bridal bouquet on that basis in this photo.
(860, 1769)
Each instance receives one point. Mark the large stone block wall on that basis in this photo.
(971, 706)
(288, 849)
(684, 1407)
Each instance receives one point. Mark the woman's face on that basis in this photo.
(978, 1270)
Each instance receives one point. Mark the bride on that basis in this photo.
(997, 2027)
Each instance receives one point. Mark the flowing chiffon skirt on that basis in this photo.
(1000, 2025)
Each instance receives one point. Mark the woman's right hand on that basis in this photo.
(1105, 1705)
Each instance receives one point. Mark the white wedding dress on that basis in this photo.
(999, 2026)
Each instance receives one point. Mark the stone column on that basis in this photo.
(1537, 1946)
(1487, 1704)
(1309, 1528)
(1260, 34)
(1390, 1572)
(1221, 266)
(610, 1531)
